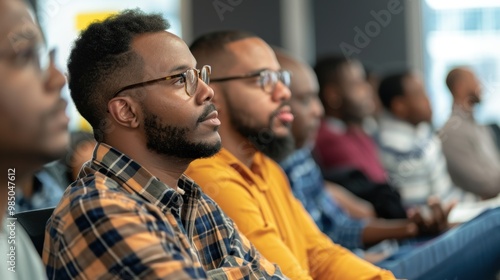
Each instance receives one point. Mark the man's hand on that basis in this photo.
(433, 219)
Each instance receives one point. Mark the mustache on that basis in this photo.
(207, 111)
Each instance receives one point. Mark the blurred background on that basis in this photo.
(430, 36)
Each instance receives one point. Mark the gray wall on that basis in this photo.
(261, 17)
(335, 23)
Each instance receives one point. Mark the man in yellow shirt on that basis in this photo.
(251, 98)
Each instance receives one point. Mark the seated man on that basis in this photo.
(346, 154)
(341, 141)
(252, 98)
(409, 149)
(470, 151)
(33, 125)
(132, 214)
(307, 184)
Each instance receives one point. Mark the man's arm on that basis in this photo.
(331, 261)
(467, 168)
(353, 205)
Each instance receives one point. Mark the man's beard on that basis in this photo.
(172, 141)
(263, 138)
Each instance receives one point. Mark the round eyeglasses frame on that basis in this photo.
(267, 78)
(190, 76)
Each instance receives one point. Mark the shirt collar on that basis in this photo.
(458, 110)
(135, 179)
(298, 156)
(254, 175)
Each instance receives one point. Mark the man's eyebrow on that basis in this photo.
(261, 69)
(179, 68)
(24, 37)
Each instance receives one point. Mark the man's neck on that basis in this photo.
(346, 120)
(465, 105)
(239, 146)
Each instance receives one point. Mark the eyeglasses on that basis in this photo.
(45, 58)
(190, 79)
(39, 56)
(267, 78)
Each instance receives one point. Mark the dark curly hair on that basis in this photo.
(102, 60)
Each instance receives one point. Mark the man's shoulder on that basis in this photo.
(91, 195)
(456, 125)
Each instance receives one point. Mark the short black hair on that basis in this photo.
(392, 86)
(101, 58)
(210, 48)
(215, 41)
(327, 70)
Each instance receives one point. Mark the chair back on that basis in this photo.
(34, 223)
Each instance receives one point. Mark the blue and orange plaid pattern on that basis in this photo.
(118, 221)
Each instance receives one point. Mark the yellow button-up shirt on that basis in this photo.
(260, 201)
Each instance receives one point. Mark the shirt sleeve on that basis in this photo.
(467, 168)
(114, 237)
(331, 261)
(340, 227)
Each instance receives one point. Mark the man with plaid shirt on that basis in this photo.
(132, 214)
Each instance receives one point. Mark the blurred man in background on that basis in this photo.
(33, 127)
(409, 148)
(252, 99)
(472, 157)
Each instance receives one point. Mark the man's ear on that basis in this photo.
(332, 97)
(125, 111)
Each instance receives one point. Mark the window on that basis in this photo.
(62, 20)
(456, 33)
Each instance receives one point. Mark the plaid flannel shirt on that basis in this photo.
(118, 221)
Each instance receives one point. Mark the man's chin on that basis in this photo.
(55, 150)
(213, 150)
(282, 131)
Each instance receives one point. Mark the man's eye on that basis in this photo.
(25, 57)
(180, 81)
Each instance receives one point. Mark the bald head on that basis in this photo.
(464, 86)
(454, 76)
(305, 103)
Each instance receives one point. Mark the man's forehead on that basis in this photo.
(163, 51)
(17, 25)
(253, 52)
